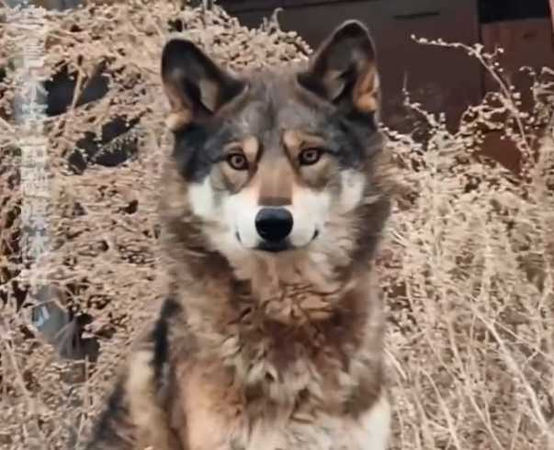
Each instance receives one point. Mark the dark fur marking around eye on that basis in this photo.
(198, 148)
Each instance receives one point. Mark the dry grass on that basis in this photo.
(467, 266)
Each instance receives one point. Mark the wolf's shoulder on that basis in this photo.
(136, 411)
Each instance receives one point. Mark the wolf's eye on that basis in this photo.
(309, 156)
(237, 161)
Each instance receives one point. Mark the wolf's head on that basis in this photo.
(275, 164)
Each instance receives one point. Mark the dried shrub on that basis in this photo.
(467, 266)
(470, 277)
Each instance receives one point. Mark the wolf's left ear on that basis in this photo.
(344, 69)
(195, 85)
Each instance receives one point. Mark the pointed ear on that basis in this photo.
(344, 69)
(195, 86)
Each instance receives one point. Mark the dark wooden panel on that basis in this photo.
(264, 7)
(503, 10)
(297, 3)
(315, 22)
(527, 42)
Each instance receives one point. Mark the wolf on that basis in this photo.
(273, 203)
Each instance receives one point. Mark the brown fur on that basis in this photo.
(277, 352)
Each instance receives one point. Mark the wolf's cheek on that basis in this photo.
(203, 200)
(239, 212)
(353, 184)
(310, 210)
(222, 209)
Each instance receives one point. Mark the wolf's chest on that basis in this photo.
(220, 416)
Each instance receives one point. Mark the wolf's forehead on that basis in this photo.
(274, 106)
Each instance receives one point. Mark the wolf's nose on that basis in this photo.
(273, 224)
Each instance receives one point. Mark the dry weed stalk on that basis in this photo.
(467, 269)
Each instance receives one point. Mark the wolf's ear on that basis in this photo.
(195, 86)
(344, 69)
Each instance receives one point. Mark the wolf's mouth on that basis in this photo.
(280, 246)
(274, 247)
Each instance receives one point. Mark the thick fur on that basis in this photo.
(260, 349)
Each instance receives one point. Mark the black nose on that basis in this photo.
(273, 224)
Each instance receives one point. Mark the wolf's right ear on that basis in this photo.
(195, 86)
(344, 69)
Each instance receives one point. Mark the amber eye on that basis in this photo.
(309, 156)
(237, 161)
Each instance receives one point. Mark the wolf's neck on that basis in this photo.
(297, 291)
(293, 290)
(266, 301)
